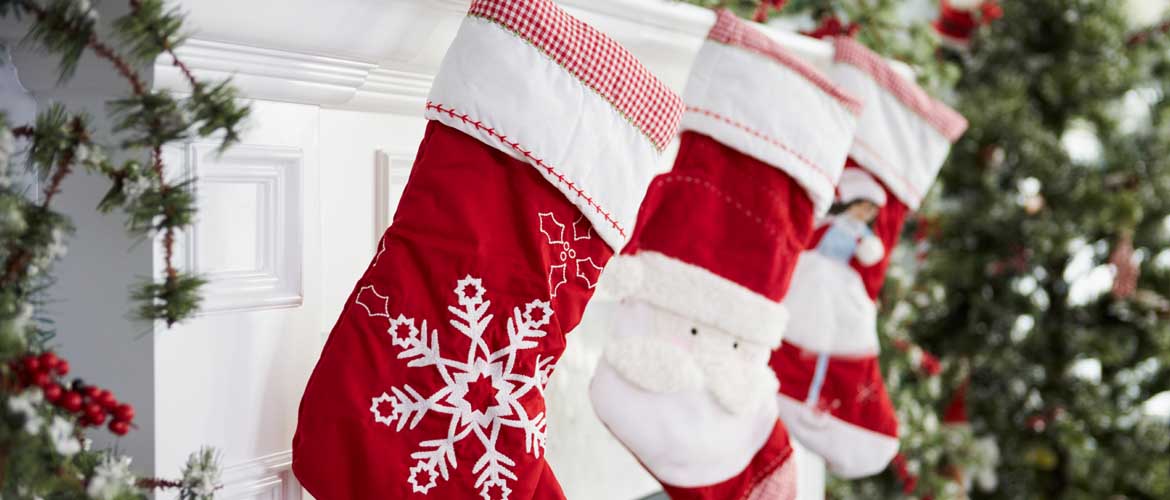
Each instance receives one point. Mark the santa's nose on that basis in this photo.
(680, 341)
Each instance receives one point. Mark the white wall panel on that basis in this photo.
(353, 144)
(247, 240)
(233, 379)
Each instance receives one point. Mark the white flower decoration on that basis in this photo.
(61, 435)
(25, 405)
(111, 478)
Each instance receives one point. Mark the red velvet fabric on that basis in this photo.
(467, 211)
(726, 212)
(776, 451)
(887, 227)
(853, 391)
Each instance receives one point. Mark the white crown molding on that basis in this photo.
(269, 61)
(387, 60)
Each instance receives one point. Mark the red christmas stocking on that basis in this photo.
(832, 396)
(544, 135)
(684, 382)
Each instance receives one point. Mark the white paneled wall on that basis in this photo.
(289, 220)
(232, 377)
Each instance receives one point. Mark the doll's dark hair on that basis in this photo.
(841, 207)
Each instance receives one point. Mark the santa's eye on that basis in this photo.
(735, 345)
(694, 331)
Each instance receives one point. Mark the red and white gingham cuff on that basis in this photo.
(599, 62)
(525, 77)
(903, 135)
(751, 94)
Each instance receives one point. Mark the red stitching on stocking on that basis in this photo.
(767, 138)
(535, 161)
(747, 212)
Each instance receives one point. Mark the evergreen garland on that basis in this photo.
(42, 450)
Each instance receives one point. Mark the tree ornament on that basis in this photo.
(992, 156)
(1033, 204)
(958, 19)
(1127, 271)
(761, 14)
(831, 26)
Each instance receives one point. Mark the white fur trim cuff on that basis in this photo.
(539, 99)
(749, 94)
(904, 135)
(699, 294)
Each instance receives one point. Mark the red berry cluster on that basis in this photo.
(92, 404)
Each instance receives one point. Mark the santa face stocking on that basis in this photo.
(543, 137)
(832, 396)
(684, 381)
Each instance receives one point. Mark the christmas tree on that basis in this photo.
(1048, 270)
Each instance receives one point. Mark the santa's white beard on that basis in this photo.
(684, 438)
(693, 412)
(658, 365)
(654, 365)
(738, 387)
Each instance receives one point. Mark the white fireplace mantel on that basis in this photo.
(338, 89)
(380, 55)
(289, 219)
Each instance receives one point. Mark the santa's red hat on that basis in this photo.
(720, 247)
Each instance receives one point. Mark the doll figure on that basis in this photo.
(849, 234)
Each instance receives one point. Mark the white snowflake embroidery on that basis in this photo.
(406, 407)
(585, 269)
